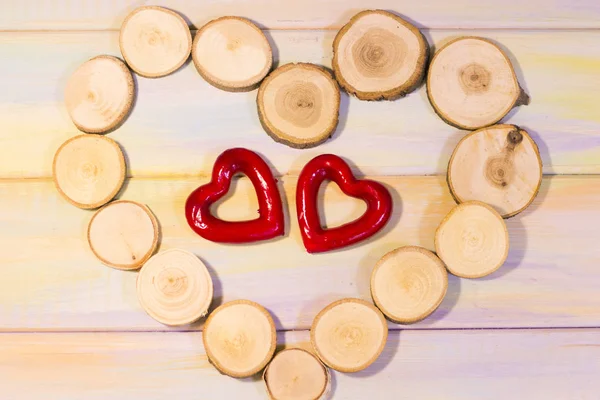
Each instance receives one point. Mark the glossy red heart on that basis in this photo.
(331, 167)
(270, 222)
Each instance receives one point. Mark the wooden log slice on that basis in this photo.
(296, 374)
(379, 56)
(471, 83)
(298, 105)
(232, 53)
(123, 234)
(349, 334)
(240, 338)
(175, 288)
(155, 41)
(99, 95)
(472, 240)
(408, 284)
(89, 170)
(499, 165)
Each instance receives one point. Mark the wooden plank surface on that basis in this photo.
(102, 14)
(51, 281)
(180, 123)
(536, 364)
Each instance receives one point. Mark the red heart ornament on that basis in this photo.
(270, 222)
(331, 167)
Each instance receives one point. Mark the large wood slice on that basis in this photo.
(472, 84)
(472, 240)
(499, 165)
(123, 234)
(175, 288)
(408, 284)
(298, 105)
(240, 338)
(89, 170)
(378, 55)
(99, 95)
(155, 41)
(349, 334)
(232, 53)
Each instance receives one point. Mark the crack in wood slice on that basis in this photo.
(240, 338)
(499, 165)
(232, 53)
(349, 334)
(298, 105)
(123, 234)
(408, 284)
(99, 95)
(155, 41)
(175, 288)
(472, 240)
(296, 374)
(379, 56)
(88, 170)
(472, 84)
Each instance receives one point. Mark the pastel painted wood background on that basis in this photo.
(71, 328)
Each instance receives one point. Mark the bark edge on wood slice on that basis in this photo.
(472, 83)
(226, 349)
(175, 288)
(306, 370)
(77, 164)
(408, 284)
(155, 41)
(241, 41)
(298, 105)
(99, 94)
(464, 243)
(123, 234)
(499, 165)
(379, 47)
(359, 314)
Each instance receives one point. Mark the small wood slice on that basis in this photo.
(123, 234)
(379, 56)
(472, 84)
(499, 165)
(175, 288)
(89, 170)
(349, 334)
(240, 338)
(99, 94)
(408, 284)
(298, 105)
(232, 53)
(155, 41)
(472, 240)
(296, 374)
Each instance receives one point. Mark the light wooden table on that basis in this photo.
(72, 328)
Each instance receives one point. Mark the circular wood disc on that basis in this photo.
(299, 104)
(89, 170)
(296, 374)
(472, 84)
(99, 94)
(472, 240)
(349, 334)
(232, 53)
(123, 234)
(175, 288)
(155, 41)
(378, 55)
(240, 338)
(499, 165)
(408, 284)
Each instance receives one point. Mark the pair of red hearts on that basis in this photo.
(270, 222)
